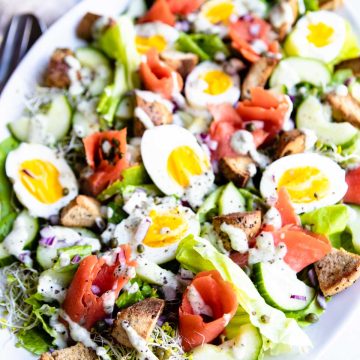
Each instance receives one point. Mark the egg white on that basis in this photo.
(156, 146)
(195, 87)
(67, 178)
(305, 48)
(334, 173)
(169, 33)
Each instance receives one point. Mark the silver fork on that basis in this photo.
(21, 33)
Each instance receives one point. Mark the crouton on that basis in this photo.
(183, 63)
(56, 74)
(337, 271)
(330, 4)
(283, 16)
(76, 352)
(142, 317)
(249, 222)
(352, 64)
(289, 143)
(154, 112)
(81, 212)
(236, 169)
(84, 29)
(258, 75)
(345, 108)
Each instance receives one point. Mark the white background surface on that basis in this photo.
(345, 344)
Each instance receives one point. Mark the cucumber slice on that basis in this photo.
(353, 226)
(210, 205)
(5, 257)
(20, 128)
(246, 346)
(231, 200)
(312, 115)
(45, 128)
(85, 124)
(294, 70)
(99, 65)
(22, 235)
(276, 283)
(47, 255)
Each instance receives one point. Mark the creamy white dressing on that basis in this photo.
(259, 46)
(76, 87)
(138, 343)
(237, 236)
(64, 259)
(273, 217)
(310, 138)
(109, 301)
(199, 187)
(50, 289)
(242, 142)
(341, 90)
(144, 118)
(265, 250)
(80, 334)
(60, 329)
(281, 15)
(198, 305)
(137, 200)
(131, 288)
(150, 97)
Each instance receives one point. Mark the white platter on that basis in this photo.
(341, 309)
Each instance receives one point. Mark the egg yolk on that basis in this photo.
(305, 184)
(320, 34)
(183, 163)
(217, 82)
(143, 44)
(41, 179)
(165, 229)
(219, 12)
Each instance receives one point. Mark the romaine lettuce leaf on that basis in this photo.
(280, 334)
(34, 340)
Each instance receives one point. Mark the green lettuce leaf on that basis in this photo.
(327, 220)
(206, 46)
(34, 340)
(280, 334)
(144, 291)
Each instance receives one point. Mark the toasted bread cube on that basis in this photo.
(236, 169)
(352, 64)
(81, 212)
(345, 108)
(258, 75)
(330, 4)
(56, 74)
(181, 62)
(290, 142)
(249, 222)
(142, 317)
(337, 271)
(283, 16)
(76, 352)
(155, 112)
(84, 29)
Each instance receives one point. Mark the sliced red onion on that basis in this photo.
(109, 321)
(215, 166)
(142, 230)
(25, 257)
(50, 241)
(247, 17)
(161, 320)
(312, 277)
(54, 219)
(95, 289)
(348, 81)
(186, 274)
(321, 301)
(182, 26)
(298, 297)
(76, 259)
(169, 292)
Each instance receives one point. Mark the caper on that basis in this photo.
(113, 243)
(101, 326)
(140, 248)
(65, 191)
(265, 319)
(311, 318)
(250, 127)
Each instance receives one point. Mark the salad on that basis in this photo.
(185, 185)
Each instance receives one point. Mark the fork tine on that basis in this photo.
(21, 34)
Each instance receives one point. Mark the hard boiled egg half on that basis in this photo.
(174, 159)
(43, 181)
(311, 180)
(215, 15)
(158, 229)
(322, 35)
(155, 35)
(209, 84)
